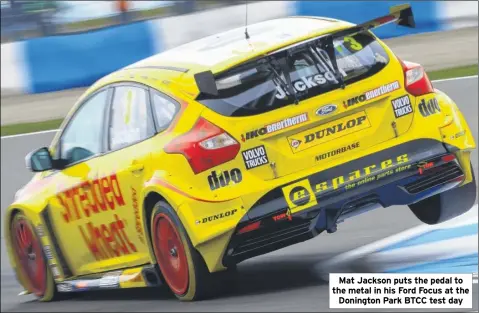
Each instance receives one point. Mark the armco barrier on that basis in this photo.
(63, 62)
(425, 14)
(77, 60)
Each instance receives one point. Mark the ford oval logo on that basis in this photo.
(327, 109)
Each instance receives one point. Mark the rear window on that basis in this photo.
(254, 88)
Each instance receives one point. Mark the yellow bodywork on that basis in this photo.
(189, 194)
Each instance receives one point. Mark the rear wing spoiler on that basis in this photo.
(401, 15)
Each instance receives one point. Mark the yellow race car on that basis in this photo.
(178, 167)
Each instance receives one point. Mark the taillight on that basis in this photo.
(415, 79)
(249, 228)
(204, 146)
(448, 158)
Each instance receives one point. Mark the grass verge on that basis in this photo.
(54, 124)
(14, 129)
(467, 70)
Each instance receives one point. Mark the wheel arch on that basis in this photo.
(151, 195)
(150, 199)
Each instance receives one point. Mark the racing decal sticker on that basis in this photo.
(295, 143)
(216, 217)
(299, 196)
(330, 131)
(82, 285)
(55, 271)
(326, 109)
(225, 178)
(459, 134)
(110, 280)
(109, 240)
(276, 126)
(40, 231)
(104, 240)
(48, 252)
(423, 166)
(372, 94)
(64, 287)
(430, 107)
(402, 106)
(308, 82)
(255, 157)
(364, 175)
(335, 152)
(283, 216)
(136, 210)
(91, 197)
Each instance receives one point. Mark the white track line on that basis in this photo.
(454, 78)
(28, 134)
(55, 130)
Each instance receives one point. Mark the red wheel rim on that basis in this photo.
(30, 255)
(170, 254)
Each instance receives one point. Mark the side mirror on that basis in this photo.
(39, 160)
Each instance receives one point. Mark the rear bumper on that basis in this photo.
(400, 175)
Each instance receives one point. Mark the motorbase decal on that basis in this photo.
(336, 152)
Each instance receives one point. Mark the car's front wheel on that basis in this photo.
(447, 205)
(181, 266)
(31, 262)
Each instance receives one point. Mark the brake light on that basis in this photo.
(204, 146)
(415, 79)
(448, 158)
(250, 227)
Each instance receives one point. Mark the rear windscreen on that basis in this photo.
(259, 87)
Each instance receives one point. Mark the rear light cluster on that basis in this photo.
(204, 146)
(248, 228)
(415, 78)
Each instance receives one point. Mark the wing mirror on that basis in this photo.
(39, 160)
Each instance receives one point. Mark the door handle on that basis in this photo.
(136, 167)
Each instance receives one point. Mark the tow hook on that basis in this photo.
(332, 229)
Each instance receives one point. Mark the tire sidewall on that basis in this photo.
(51, 292)
(190, 252)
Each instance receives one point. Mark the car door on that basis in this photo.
(127, 162)
(80, 192)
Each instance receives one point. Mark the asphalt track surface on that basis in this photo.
(280, 281)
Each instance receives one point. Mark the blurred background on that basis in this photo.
(29, 19)
(56, 45)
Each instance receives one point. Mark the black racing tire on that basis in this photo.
(28, 253)
(181, 265)
(447, 205)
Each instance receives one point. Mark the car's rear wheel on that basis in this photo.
(182, 267)
(447, 205)
(31, 261)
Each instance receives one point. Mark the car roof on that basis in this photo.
(225, 50)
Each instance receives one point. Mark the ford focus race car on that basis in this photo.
(180, 166)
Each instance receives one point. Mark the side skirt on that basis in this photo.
(135, 277)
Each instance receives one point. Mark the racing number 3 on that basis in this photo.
(352, 43)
